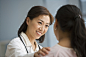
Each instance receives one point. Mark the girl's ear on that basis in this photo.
(56, 23)
(27, 20)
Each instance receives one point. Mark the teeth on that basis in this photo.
(39, 33)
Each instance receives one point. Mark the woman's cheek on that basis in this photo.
(35, 25)
(46, 30)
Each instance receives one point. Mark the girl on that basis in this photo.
(70, 31)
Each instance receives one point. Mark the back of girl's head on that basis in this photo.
(70, 20)
(35, 12)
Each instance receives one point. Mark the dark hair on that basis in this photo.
(35, 12)
(70, 20)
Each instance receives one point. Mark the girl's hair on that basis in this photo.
(35, 12)
(70, 20)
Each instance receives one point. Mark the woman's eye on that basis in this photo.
(40, 22)
(47, 25)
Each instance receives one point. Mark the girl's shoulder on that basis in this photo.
(61, 51)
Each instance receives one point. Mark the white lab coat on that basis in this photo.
(17, 49)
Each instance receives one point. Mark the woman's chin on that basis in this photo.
(37, 37)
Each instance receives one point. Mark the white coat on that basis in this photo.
(17, 49)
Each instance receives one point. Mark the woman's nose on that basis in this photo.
(42, 28)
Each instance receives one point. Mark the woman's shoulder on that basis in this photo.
(15, 41)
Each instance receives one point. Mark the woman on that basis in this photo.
(70, 31)
(34, 27)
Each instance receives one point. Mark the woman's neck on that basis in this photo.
(32, 41)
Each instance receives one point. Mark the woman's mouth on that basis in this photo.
(39, 33)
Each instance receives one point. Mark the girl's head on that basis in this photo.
(36, 23)
(69, 20)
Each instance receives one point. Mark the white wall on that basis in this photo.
(12, 14)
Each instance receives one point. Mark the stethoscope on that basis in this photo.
(25, 45)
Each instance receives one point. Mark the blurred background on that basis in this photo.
(13, 13)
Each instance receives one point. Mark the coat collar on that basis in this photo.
(27, 41)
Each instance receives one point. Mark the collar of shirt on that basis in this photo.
(27, 41)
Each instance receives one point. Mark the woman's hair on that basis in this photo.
(70, 20)
(35, 12)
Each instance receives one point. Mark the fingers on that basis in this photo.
(41, 52)
(45, 50)
(36, 54)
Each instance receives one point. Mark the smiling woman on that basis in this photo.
(38, 26)
(34, 28)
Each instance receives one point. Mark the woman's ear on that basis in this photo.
(27, 20)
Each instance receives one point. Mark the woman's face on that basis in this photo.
(38, 26)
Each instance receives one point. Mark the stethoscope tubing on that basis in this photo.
(25, 45)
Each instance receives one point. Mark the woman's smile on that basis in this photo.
(39, 33)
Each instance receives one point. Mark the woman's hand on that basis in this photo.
(44, 51)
